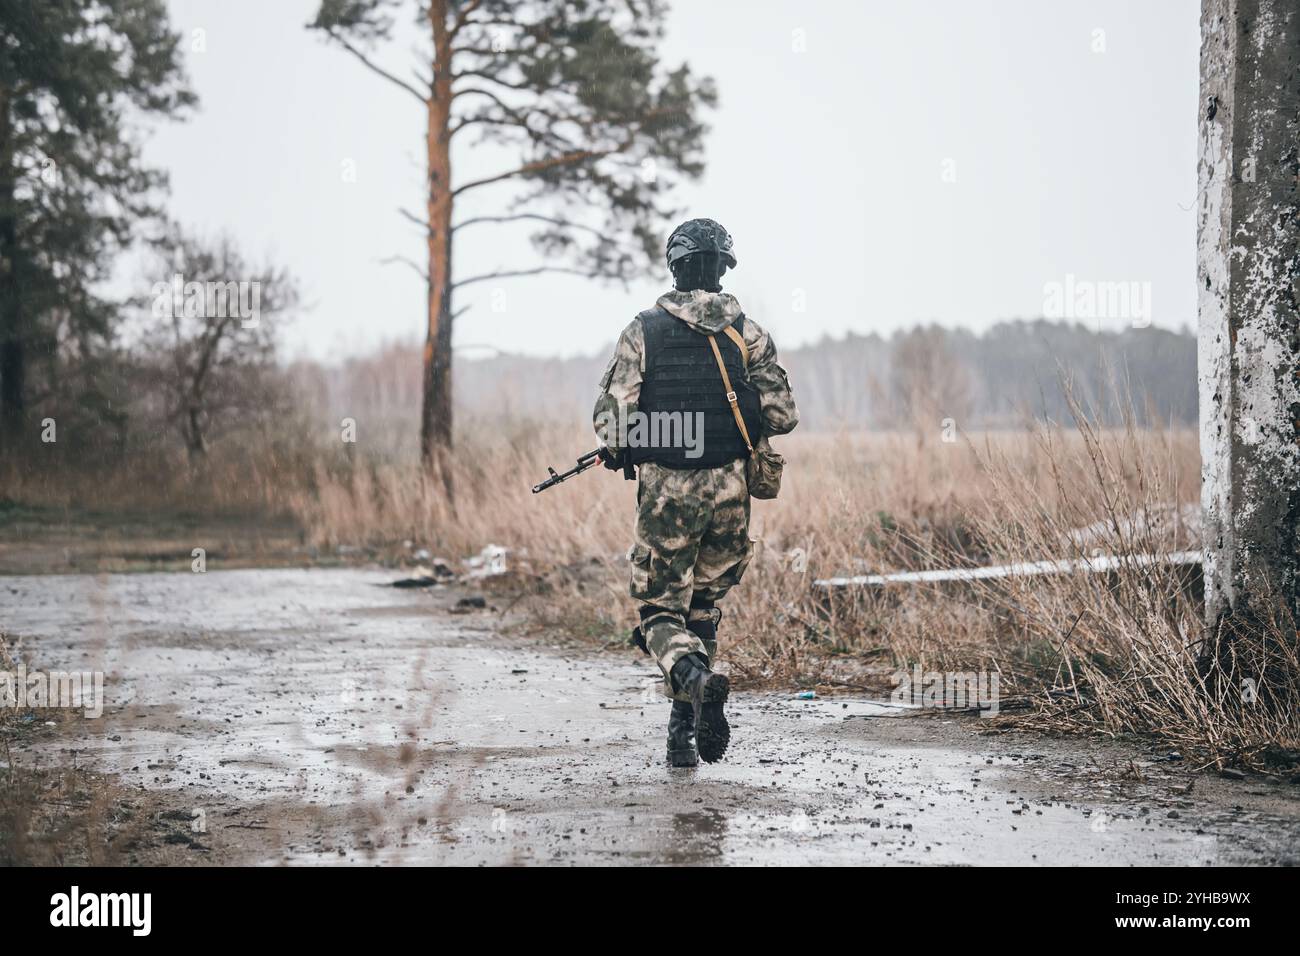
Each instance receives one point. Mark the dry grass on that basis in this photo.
(1115, 653)
(247, 472)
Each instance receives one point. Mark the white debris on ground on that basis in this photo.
(489, 562)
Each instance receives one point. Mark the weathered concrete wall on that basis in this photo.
(1248, 258)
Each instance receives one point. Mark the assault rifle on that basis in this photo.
(584, 462)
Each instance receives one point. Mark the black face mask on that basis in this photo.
(702, 270)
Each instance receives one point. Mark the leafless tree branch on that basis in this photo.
(374, 67)
(403, 260)
(527, 87)
(528, 215)
(512, 273)
(418, 220)
(462, 17)
(536, 166)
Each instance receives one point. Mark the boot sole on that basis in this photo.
(712, 732)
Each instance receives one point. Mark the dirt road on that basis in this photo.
(309, 716)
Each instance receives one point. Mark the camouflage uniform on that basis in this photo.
(692, 528)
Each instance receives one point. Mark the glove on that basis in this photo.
(612, 461)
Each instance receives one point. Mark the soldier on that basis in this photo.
(692, 529)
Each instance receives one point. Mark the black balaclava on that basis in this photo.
(699, 270)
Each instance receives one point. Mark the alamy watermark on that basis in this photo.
(637, 429)
(1077, 298)
(75, 908)
(947, 690)
(62, 690)
(208, 300)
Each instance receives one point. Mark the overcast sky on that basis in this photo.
(1069, 129)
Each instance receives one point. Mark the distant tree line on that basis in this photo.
(1014, 372)
(1003, 376)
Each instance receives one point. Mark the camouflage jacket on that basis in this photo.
(620, 386)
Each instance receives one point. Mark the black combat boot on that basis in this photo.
(682, 750)
(708, 692)
(681, 736)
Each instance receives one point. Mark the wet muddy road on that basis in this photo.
(313, 716)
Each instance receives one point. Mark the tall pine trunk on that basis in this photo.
(436, 413)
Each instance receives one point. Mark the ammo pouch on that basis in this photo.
(764, 471)
(763, 467)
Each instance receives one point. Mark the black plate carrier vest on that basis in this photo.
(681, 375)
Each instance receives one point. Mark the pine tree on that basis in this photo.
(72, 183)
(600, 128)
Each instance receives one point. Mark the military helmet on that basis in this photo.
(700, 235)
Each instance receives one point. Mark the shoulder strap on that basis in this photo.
(731, 333)
(731, 393)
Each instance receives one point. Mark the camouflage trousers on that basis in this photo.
(692, 544)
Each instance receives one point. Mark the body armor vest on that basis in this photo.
(682, 377)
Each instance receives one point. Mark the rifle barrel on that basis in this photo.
(584, 462)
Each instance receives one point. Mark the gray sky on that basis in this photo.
(827, 166)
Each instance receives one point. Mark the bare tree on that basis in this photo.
(209, 333)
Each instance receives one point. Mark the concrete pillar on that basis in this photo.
(1248, 275)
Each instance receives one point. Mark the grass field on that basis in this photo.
(1115, 653)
